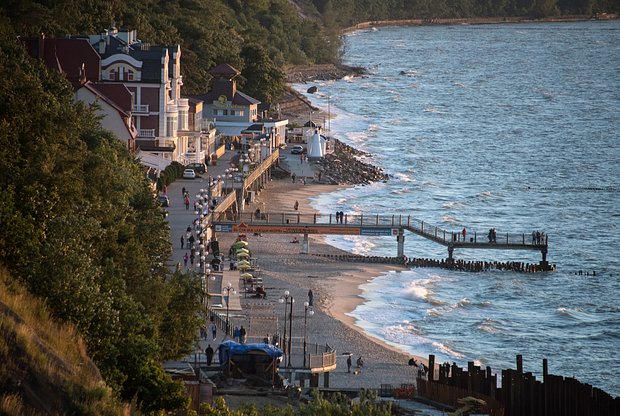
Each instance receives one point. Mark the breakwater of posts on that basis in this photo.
(519, 393)
(462, 265)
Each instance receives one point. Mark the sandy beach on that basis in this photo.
(335, 286)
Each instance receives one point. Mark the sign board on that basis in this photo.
(378, 231)
(223, 228)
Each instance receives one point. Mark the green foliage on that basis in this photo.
(336, 405)
(171, 173)
(81, 228)
(264, 80)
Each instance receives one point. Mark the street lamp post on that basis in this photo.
(206, 273)
(307, 311)
(285, 300)
(227, 289)
(290, 330)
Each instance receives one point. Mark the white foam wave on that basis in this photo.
(403, 177)
(431, 109)
(449, 219)
(454, 205)
(489, 326)
(447, 350)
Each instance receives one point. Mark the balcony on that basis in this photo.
(140, 109)
(146, 133)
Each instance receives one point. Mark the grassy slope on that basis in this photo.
(45, 367)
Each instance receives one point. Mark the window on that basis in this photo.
(225, 112)
(130, 75)
(113, 75)
(171, 126)
(183, 120)
(214, 112)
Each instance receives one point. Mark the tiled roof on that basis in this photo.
(225, 70)
(66, 55)
(118, 93)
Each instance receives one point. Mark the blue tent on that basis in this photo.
(230, 348)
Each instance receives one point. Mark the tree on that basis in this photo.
(264, 80)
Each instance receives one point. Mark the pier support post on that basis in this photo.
(305, 245)
(401, 243)
(450, 254)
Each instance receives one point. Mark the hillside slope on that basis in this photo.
(45, 367)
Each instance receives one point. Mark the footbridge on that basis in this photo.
(372, 226)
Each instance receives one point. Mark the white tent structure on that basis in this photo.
(316, 146)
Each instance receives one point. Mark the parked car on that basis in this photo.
(197, 167)
(298, 149)
(189, 174)
(163, 200)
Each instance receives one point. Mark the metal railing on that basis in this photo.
(140, 108)
(407, 222)
(146, 133)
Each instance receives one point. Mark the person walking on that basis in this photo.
(185, 259)
(349, 363)
(242, 334)
(209, 354)
(213, 330)
(464, 233)
(182, 242)
(310, 297)
(296, 205)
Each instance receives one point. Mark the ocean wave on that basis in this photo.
(490, 326)
(431, 109)
(403, 177)
(449, 219)
(443, 348)
(454, 205)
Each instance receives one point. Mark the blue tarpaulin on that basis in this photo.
(230, 348)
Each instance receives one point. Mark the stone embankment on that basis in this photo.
(308, 73)
(347, 167)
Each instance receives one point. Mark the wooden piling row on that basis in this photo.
(520, 393)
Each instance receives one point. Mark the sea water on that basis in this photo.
(513, 127)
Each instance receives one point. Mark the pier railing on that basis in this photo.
(429, 231)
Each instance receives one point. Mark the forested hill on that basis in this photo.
(258, 37)
(345, 13)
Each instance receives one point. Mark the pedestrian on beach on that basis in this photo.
(213, 330)
(185, 259)
(464, 233)
(209, 354)
(242, 334)
(349, 362)
(182, 242)
(296, 205)
(310, 297)
(183, 191)
(237, 334)
(187, 202)
(293, 177)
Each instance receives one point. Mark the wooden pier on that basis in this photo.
(372, 226)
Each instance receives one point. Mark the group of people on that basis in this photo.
(538, 237)
(339, 217)
(359, 363)
(492, 235)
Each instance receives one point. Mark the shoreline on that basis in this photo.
(477, 21)
(336, 288)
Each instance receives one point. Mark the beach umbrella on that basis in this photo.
(243, 249)
(243, 263)
(243, 255)
(244, 267)
(242, 242)
(246, 275)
